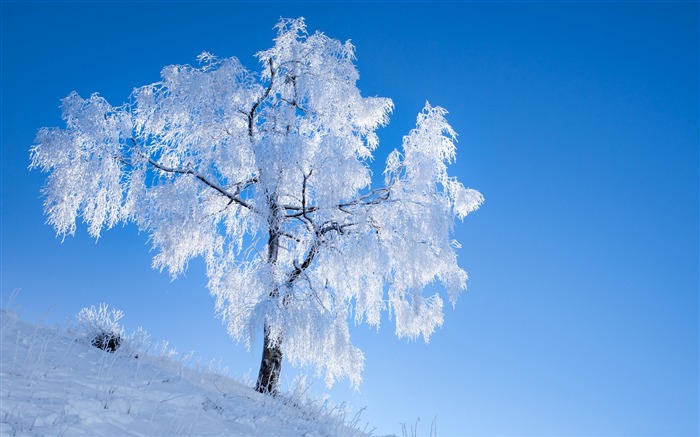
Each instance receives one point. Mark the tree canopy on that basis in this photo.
(266, 176)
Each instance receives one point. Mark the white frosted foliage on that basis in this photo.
(266, 176)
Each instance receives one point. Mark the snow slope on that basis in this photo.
(54, 383)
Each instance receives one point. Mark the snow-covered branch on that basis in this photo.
(233, 197)
(258, 102)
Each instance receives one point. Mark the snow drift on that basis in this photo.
(55, 383)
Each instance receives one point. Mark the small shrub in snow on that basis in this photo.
(107, 342)
(102, 327)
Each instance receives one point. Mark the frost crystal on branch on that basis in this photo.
(266, 176)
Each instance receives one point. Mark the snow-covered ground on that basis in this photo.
(54, 383)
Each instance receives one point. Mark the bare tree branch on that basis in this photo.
(251, 114)
(299, 269)
(374, 197)
(204, 179)
(214, 185)
(304, 212)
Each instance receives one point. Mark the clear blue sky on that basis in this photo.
(577, 121)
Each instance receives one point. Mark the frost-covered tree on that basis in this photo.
(266, 176)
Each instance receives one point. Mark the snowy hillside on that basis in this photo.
(54, 383)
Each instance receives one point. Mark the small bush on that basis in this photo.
(107, 342)
(102, 327)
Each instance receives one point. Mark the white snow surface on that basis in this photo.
(54, 383)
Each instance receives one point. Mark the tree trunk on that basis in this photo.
(270, 366)
(271, 363)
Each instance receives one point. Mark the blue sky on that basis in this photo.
(577, 121)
